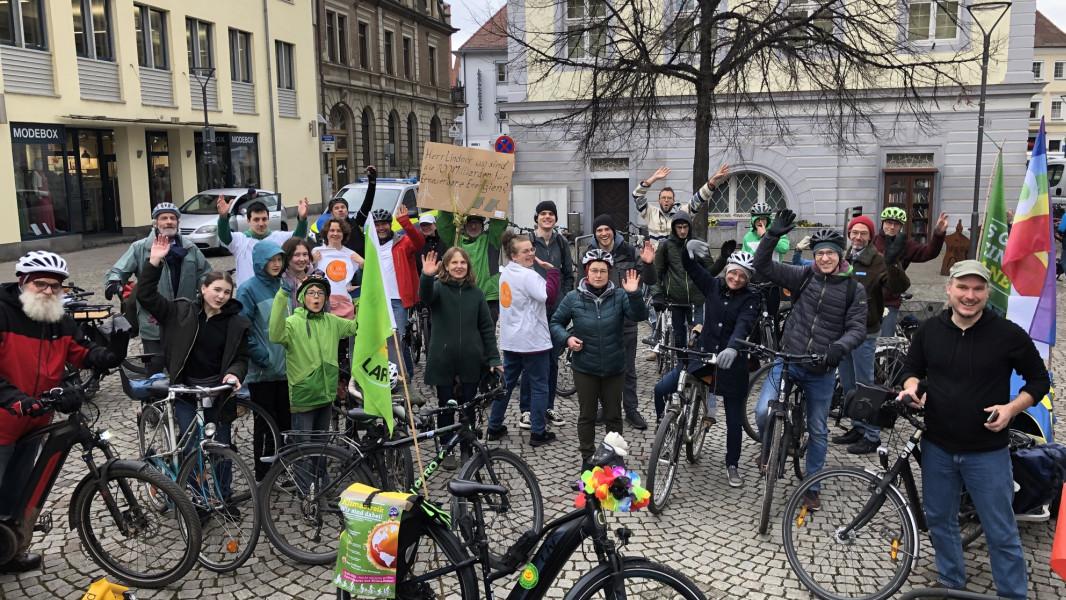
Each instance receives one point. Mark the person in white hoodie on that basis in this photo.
(524, 337)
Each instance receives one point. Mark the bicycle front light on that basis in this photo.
(105, 436)
(209, 430)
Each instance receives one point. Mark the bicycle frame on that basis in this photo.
(787, 410)
(901, 468)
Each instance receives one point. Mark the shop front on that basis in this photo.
(234, 163)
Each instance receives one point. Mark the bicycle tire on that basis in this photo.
(154, 445)
(772, 469)
(399, 475)
(229, 518)
(666, 336)
(432, 552)
(755, 385)
(425, 325)
(662, 463)
(696, 427)
(799, 434)
(641, 578)
(564, 383)
(300, 520)
(125, 550)
(523, 510)
(876, 558)
(242, 435)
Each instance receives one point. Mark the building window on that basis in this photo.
(743, 190)
(364, 46)
(198, 43)
(342, 39)
(1038, 70)
(586, 28)
(821, 17)
(150, 26)
(932, 20)
(240, 55)
(1056, 110)
(434, 129)
(286, 81)
(412, 137)
(501, 72)
(1060, 69)
(685, 33)
(336, 37)
(432, 66)
(388, 53)
(406, 42)
(1036, 110)
(22, 24)
(390, 143)
(92, 29)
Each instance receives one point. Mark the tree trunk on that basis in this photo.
(701, 156)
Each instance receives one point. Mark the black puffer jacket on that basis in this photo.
(819, 317)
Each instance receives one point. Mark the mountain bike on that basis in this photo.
(438, 564)
(218, 482)
(685, 422)
(418, 331)
(765, 327)
(663, 334)
(301, 492)
(114, 507)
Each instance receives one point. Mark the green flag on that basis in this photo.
(370, 358)
(994, 240)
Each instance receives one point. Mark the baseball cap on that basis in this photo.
(970, 267)
(427, 218)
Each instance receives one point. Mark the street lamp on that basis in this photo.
(987, 41)
(203, 77)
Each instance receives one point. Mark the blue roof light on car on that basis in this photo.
(385, 179)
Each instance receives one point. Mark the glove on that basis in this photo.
(28, 407)
(119, 342)
(895, 247)
(371, 174)
(70, 400)
(784, 222)
(113, 288)
(658, 301)
(697, 249)
(728, 247)
(726, 358)
(833, 356)
(804, 244)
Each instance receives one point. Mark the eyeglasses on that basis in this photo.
(314, 294)
(42, 285)
(825, 253)
(598, 271)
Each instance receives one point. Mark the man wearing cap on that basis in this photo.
(184, 269)
(427, 225)
(893, 222)
(258, 216)
(959, 369)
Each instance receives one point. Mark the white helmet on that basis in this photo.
(42, 261)
(742, 258)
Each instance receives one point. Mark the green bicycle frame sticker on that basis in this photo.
(530, 577)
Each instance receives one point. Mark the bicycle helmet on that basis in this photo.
(894, 213)
(335, 201)
(394, 376)
(742, 259)
(316, 277)
(491, 383)
(163, 207)
(761, 209)
(380, 214)
(596, 254)
(42, 261)
(828, 238)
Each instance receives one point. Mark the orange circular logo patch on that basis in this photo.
(505, 295)
(337, 270)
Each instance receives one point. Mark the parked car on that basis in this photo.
(389, 195)
(1056, 183)
(199, 215)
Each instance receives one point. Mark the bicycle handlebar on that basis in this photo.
(198, 390)
(792, 358)
(709, 358)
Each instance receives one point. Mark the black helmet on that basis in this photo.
(380, 214)
(828, 237)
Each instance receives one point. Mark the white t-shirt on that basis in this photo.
(241, 248)
(338, 267)
(523, 312)
(388, 270)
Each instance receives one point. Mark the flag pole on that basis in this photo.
(410, 414)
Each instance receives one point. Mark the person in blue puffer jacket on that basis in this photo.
(598, 310)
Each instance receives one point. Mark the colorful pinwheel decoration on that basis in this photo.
(615, 487)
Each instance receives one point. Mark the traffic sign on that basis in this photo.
(328, 138)
(505, 144)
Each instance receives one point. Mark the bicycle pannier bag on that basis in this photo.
(865, 404)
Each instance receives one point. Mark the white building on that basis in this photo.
(485, 81)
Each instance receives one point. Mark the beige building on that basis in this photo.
(103, 106)
(1049, 65)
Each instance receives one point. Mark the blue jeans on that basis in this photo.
(818, 389)
(16, 466)
(888, 322)
(693, 315)
(988, 478)
(858, 367)
(534, 369)
(524, 393)
(316, 419)
(185, 413)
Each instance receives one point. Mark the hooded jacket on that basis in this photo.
(914, 253)
(969, 370)
(598, 323)
(257, 298)
(675, 282)
(878, 279)
(32, 358)
(310, 341)
(241, 245)
(464, 336)
(659, 220)
(751, 239)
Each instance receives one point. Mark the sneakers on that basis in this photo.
(650, 356)
(636, 420)
(864, 446)
(853, 435)
(554, 418)
(811, 500)
(21, 563)
(495, 434)
(539, 439)
(732, 474)
(523, 421)
(449, 462)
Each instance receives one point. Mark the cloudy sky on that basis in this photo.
(468, 15)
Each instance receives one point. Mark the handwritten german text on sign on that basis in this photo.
(465, 180)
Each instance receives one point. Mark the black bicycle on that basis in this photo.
(94, 323)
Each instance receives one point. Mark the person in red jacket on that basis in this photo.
(893, 219)
(37, 339)
(398, 268)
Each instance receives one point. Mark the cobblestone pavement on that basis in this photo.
(708, 531)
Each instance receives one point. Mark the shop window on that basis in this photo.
(234, 164)
(913, 192)
(151, 28)
(737, 195)
(40, 164)
(158, 167)
(92, 29)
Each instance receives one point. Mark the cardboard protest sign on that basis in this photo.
(465, 180)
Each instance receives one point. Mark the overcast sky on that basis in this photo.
(469, 15)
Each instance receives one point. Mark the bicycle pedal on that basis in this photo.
(44, 523)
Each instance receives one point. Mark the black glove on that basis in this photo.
(784, 222)
(658, 301)
(728, 248)
(833, 356)
(371, 174)
(114, 288)
(69, 400)
(28, 407)
(895, 247)
(118, 343)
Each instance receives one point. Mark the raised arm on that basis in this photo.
(368, 200)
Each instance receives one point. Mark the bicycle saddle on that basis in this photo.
(465, 489)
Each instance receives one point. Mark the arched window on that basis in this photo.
(392, 139)
(366, 131)
(742, 190)
(412, 138)
(434, 129)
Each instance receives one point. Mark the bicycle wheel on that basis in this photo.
(772, 468)
(870, 562)
(663, 360)
(565, 385)
(436, 549)
(969, 522)
(242, 435)
(755, 384)
(222, 488)
(300, 496)
(506, 517)
(399, 475)
(154, 444)
(425, 326)
(697, 426)
(798, 435)
(147, 548)
(641, 578)
(415, 339)
(662, 464)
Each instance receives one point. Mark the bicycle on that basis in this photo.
(765, 327)
(218, 482)
(684, 421)
(300, 493)
(564, 384)
(663, 334)
(113, 508)
(417, 332)
(93, 321)
(439, 565)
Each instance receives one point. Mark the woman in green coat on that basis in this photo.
(464, 336)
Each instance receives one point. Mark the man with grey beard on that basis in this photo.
(37, 340)
(184, 269)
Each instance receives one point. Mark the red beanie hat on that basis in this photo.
(862, 220)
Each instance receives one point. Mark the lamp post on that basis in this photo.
(203, 77)
(986, 41)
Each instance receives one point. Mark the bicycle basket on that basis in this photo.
(868, 404)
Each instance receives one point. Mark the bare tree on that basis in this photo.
(736, 69)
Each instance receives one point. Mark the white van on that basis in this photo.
(1056, 183)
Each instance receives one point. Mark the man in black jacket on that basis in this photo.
(966, 355)
(427, 224)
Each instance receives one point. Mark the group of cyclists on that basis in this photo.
(281, 327)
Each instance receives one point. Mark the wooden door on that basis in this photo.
(611, 197)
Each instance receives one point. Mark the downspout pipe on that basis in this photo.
(270, 94)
